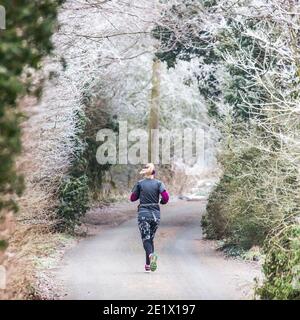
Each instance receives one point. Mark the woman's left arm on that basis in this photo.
(164, 193)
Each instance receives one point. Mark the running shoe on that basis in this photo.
(153, 261)
(147, 268)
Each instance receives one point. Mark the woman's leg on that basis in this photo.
(153, 228)
(145, 230)
(152, 244)
(153, 257)
(148, 250)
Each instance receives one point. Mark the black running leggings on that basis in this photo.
(148, 226)
(149, 248)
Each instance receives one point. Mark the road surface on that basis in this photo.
(110, 265)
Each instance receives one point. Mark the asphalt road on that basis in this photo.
(110, 265)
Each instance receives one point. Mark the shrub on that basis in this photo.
(215, 221)
(73, 195)
(282, 265)
(23, 44)
(85, 175)
(256, 194)
(74, 189)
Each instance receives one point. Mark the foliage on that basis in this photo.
(255, 46)
(183, 35)
(3, 245)
(242, 207)
(24, 42)
(85, 174)
(97, 117)
(74, 190)
(73, 194)
(282, 265)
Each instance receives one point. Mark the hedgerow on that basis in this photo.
(282, 265)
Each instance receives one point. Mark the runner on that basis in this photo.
(149, 191)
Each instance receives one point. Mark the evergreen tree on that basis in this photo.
(26, 39)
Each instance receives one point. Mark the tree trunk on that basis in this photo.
(153, 143)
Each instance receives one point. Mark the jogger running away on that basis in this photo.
(149, 190)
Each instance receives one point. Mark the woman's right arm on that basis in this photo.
(134, 197)
(135, 193)
(164, 197)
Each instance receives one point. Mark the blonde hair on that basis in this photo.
(148, 170)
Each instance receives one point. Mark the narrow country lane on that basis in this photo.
(110, 265)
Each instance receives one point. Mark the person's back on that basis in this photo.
(150, 190)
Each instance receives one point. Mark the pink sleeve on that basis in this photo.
(165, 197)
(133, 197)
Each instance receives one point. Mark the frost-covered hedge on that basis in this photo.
(74, 190)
